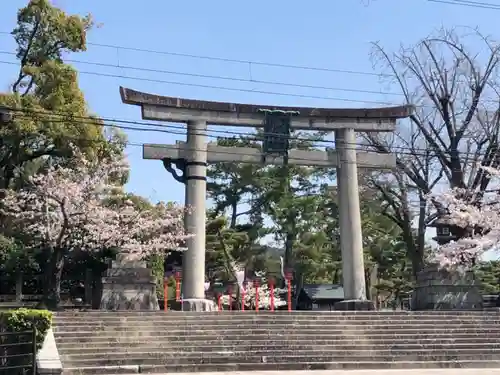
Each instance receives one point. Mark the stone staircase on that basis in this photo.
(92, 343)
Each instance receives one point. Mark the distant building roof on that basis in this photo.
(324, 291)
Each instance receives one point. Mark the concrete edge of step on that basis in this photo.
(134, 369)
(138, 368)
(156, 348)
(48, 361)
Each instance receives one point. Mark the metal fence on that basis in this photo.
(18, 353)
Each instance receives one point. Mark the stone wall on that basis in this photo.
(128, 285)
(438, 289)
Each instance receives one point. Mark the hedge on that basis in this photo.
(21, 320)
(156, 264)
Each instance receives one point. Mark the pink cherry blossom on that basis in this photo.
(69, 208)
(250, 292)
(479, 216)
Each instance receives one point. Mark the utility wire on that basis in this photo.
(141, 145)
(84, 120)
(471, 4)
(161, 128)
(468, 3)
(179, 83)
(464, 159)
(122, 127)
(225, 78)
(227, 60)
(121, 76)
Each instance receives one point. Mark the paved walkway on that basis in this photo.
(361, 372)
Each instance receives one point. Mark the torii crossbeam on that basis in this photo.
(192, 156)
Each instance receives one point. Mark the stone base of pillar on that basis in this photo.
(355, 305)
(195, 304)
(128, 285)
(438, 289)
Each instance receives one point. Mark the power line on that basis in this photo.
(234, 89)
(471, 4)
(468, 3)
(162, 128)
(141, 79)
(135, 144)
(465, 159)
(234, 79)
(87, 120)
(84, 120)
(228, 60)
(121, 76)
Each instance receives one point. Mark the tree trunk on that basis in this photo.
(8, 175)
(417, 262)
(289, 249)
(96, 289)
(336, 276)
(53, 274)
(234, 214)
(368, 283)
(88, 286)
(19, 286)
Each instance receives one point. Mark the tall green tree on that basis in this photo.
(48, 115)
(233, 184)
(488, 274)
(237, 213)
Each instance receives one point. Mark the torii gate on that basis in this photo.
(191, 158)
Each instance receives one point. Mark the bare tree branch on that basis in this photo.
(453, 131)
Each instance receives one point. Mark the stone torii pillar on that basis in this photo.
(187, 162)
(351, 239)
(196, 197)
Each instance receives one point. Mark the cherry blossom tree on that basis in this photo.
(249, 290)
(264, 299)
(477, 214)
(79, 208)
(451, 77)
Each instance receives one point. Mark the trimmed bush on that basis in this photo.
(156, 264)
(20, 345)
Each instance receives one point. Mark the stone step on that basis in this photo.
(272, 347)
(276, 314)
(244, 316)
(333, 322)
(252, 325)
(494, 332)
(373, 338)
(283, 357)
(132, 343)
(267, 322)
(300, 366)
(121, 330)
(259, 356)
(92, 343)
(269, 335)
(267, 325)
(280, 324)
(493, 311)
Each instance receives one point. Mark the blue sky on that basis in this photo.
(328, 34)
